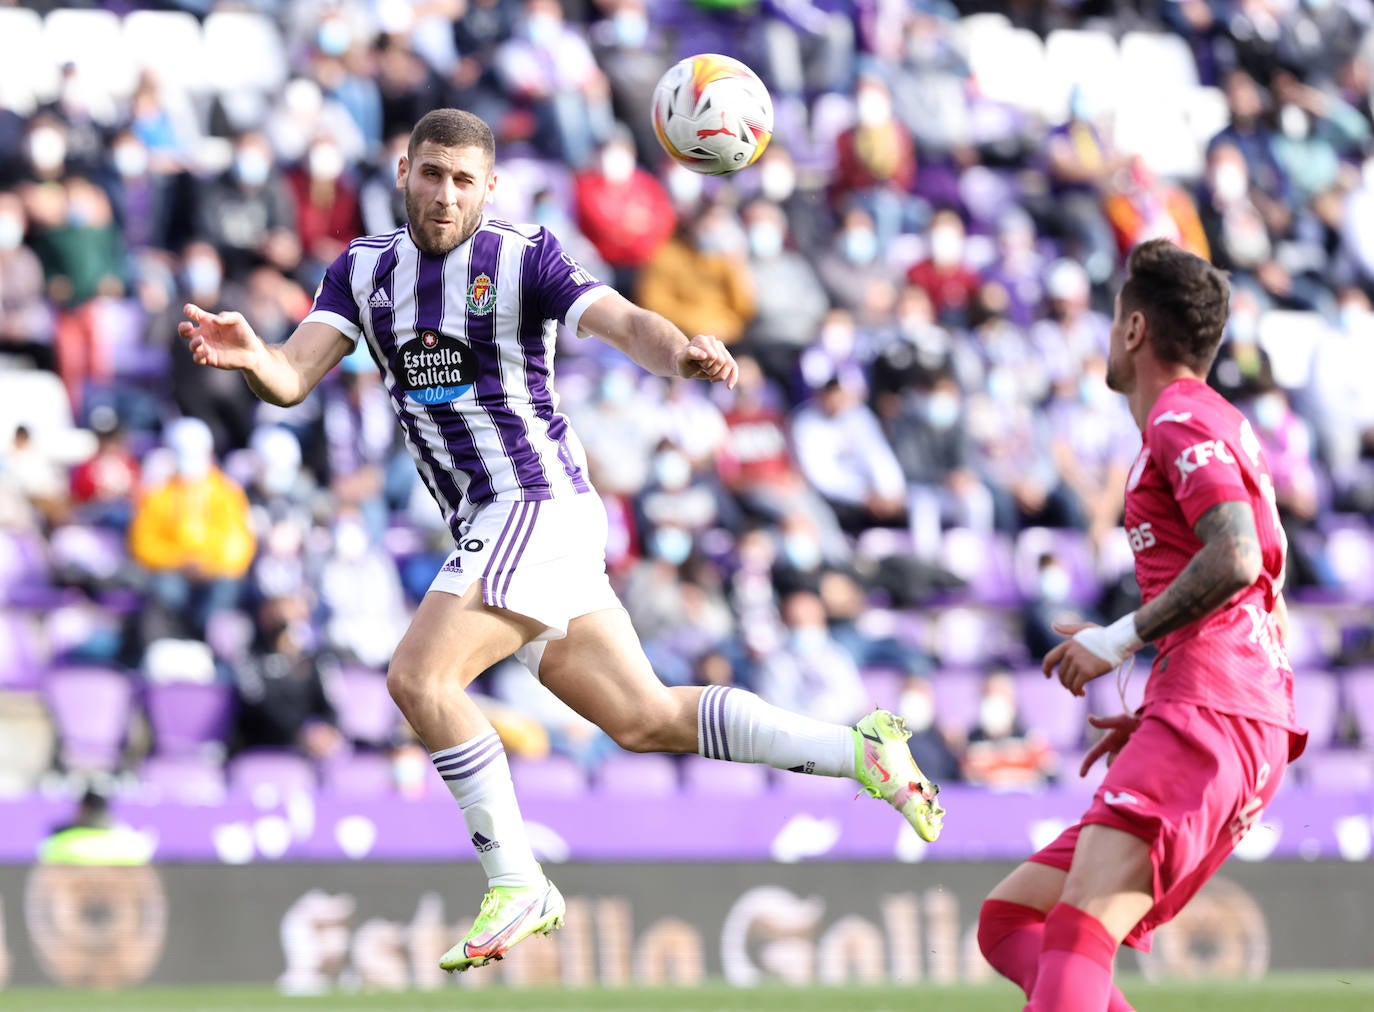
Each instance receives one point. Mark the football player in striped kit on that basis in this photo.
(460, 313)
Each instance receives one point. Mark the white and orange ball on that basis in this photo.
(712, 114)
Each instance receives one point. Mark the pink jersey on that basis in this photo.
(1200, 451)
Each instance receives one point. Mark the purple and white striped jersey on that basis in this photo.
(465, 345)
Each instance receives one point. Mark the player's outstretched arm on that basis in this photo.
(281, 374)
(656, 344)
(1228, 562)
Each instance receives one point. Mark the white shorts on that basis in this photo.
(544, 559)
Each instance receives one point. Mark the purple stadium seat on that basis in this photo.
(1350, 550)
(187, 779)
(975, 637)
(270, 774)
(1048, 709)
(650, 776)
(1104, 694)
(1335, 770)
(358, 775)
(984, 562)
(79, 550)
(364, 707)
(551, 776)
(956, 699)
(1072, 548)
(882, 686)
(21, 651)
(1311, 638)
(189, 717)
(1358, 686)
(713, 777)
(24, 574)
(229, 634)
(90, 708)
(1316, 695)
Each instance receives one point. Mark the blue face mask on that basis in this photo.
(859, 245)
(671, 545)
(631, 29)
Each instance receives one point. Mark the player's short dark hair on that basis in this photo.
(452, 128)
(1183, 298)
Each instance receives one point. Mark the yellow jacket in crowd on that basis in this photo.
(200, 523)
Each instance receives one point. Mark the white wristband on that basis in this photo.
(1113, 643)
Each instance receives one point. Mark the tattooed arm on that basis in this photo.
(1228, 562)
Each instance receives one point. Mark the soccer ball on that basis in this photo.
(712, 114)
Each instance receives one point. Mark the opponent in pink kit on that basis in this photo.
(1193, 769)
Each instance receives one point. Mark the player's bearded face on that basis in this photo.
(1119, 366)
(446, 190)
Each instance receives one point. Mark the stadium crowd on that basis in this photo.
(920, 469)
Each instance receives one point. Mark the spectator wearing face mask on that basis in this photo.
(1342, 408)
(84, 261)
(844, 455)
(221, 400)
(700, 279)
(930, 440)
(634, 52)
(1001, 754)
(26, 321)
(145, 194)
(548, 68)
(930, 746)
(1286, 439)
(1094, 442)
(326, 202)
(801, 196)
(876, 164)
(809, 672)
(943, 274)
(248, 212)
(1018, 269)
(191, 532)
(363, 627)
(1072, 332)
(1241, 368)
(623, 209)
(1050, 601)
(790, 302)
(851, 255)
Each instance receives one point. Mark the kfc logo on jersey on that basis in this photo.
(1201, 454)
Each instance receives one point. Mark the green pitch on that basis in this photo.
(1330, 992)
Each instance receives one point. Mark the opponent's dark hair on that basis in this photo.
(452, 128)
(1183, 298)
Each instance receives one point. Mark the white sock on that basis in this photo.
(478, 777)
(738, 726)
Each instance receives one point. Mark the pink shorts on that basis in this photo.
(1190, 782)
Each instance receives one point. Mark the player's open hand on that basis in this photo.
(705, 357)
(222, 340)
(1076, 663)
(1119, 728)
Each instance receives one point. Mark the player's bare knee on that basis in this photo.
(654, 728)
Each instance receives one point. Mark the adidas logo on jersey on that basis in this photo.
(380, 299)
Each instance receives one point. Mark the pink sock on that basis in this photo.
(1011, 936)
(1075, 973)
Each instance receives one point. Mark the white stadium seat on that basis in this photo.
(244, 50)
(1159, 61)
(1208, 113)
(90, 39)
(169, 42)
(28, 74)
(1290, 337)
(1158, 130)
(1010, 67)
(1085, 59)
